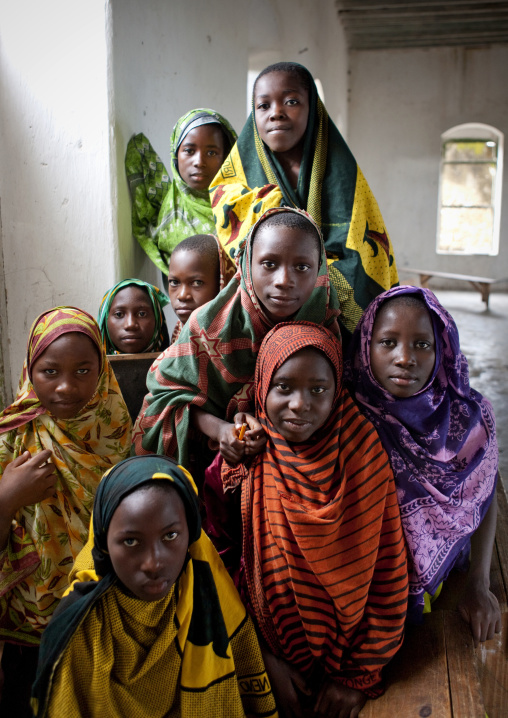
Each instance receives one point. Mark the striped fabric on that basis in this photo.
(323, 547)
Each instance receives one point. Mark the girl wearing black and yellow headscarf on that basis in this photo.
(131, 638)
(290, 153)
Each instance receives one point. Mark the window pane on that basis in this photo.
(466, 230)
(470, 151)
(468, 185)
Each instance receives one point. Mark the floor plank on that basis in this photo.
(493, 671)
(465, 689)
(417, 678)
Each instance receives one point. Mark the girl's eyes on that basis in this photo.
(282, 387)
(318, 389)
(50, 372)
(302, 267)
(423, 345)
(387, 342)
(130, 542)
(118, 315)
(83, 371)
(288, 101)
(268, 264)
(173, 282)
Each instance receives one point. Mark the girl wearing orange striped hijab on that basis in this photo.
(324, 561)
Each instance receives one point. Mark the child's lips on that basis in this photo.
(403, 379)
(282, 299)
(183, 311)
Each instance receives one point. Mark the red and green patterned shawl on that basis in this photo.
(212, 364)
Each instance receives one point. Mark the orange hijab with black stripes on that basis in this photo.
(323, 547)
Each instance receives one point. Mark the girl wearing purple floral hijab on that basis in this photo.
(412, 381)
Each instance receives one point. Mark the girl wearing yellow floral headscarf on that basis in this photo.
(66, 427)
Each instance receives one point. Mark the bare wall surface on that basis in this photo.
(169, 58)
(308, 32)
(58, 233)
(401, 103)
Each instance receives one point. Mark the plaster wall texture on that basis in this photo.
(169, 58)
(58, 230)
(307, 32)
(401, 103)
(77, 81)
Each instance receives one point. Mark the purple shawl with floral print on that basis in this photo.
(442, 447)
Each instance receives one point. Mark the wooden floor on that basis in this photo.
(438, 672)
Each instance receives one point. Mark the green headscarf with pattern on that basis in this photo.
(164, 212)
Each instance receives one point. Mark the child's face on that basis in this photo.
(147, 540)
(402, 352)
(192, 282)
(285, 264)
(65, 375)
(131, 320)
(300, 397)
(201, 155)
(281, 107)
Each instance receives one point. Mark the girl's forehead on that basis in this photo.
(280, 79)
(131, 293)
(403, 310)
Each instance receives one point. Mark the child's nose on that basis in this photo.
(405, 355)
(284, 277)
(276, 110)
(298, 401)
(183, 292)
(199, 159)
(131, 320)
(151, 560)
(66, 385)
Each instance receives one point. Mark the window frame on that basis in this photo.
(474, 131)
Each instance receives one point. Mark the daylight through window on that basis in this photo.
(470, 190)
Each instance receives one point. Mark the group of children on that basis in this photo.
(342, 463)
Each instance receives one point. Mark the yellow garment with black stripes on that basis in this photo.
(135, 658)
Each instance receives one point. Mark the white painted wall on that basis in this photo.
(401, 103)
(58, 230)
(78, 78)
(170, 57)
(308, 32)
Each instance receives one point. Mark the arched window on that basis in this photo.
(470, 190)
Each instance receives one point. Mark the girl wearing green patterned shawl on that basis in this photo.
(290, 153)
(133, 322)
(211, 366)
(164, 212)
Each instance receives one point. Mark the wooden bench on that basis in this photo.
(130, 371)
(438, 672)
(481, 284)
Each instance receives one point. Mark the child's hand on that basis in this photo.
(338, 701)
(480, 608)
(288, 685)
(231, 448)
(27, 480)
(254, 437)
